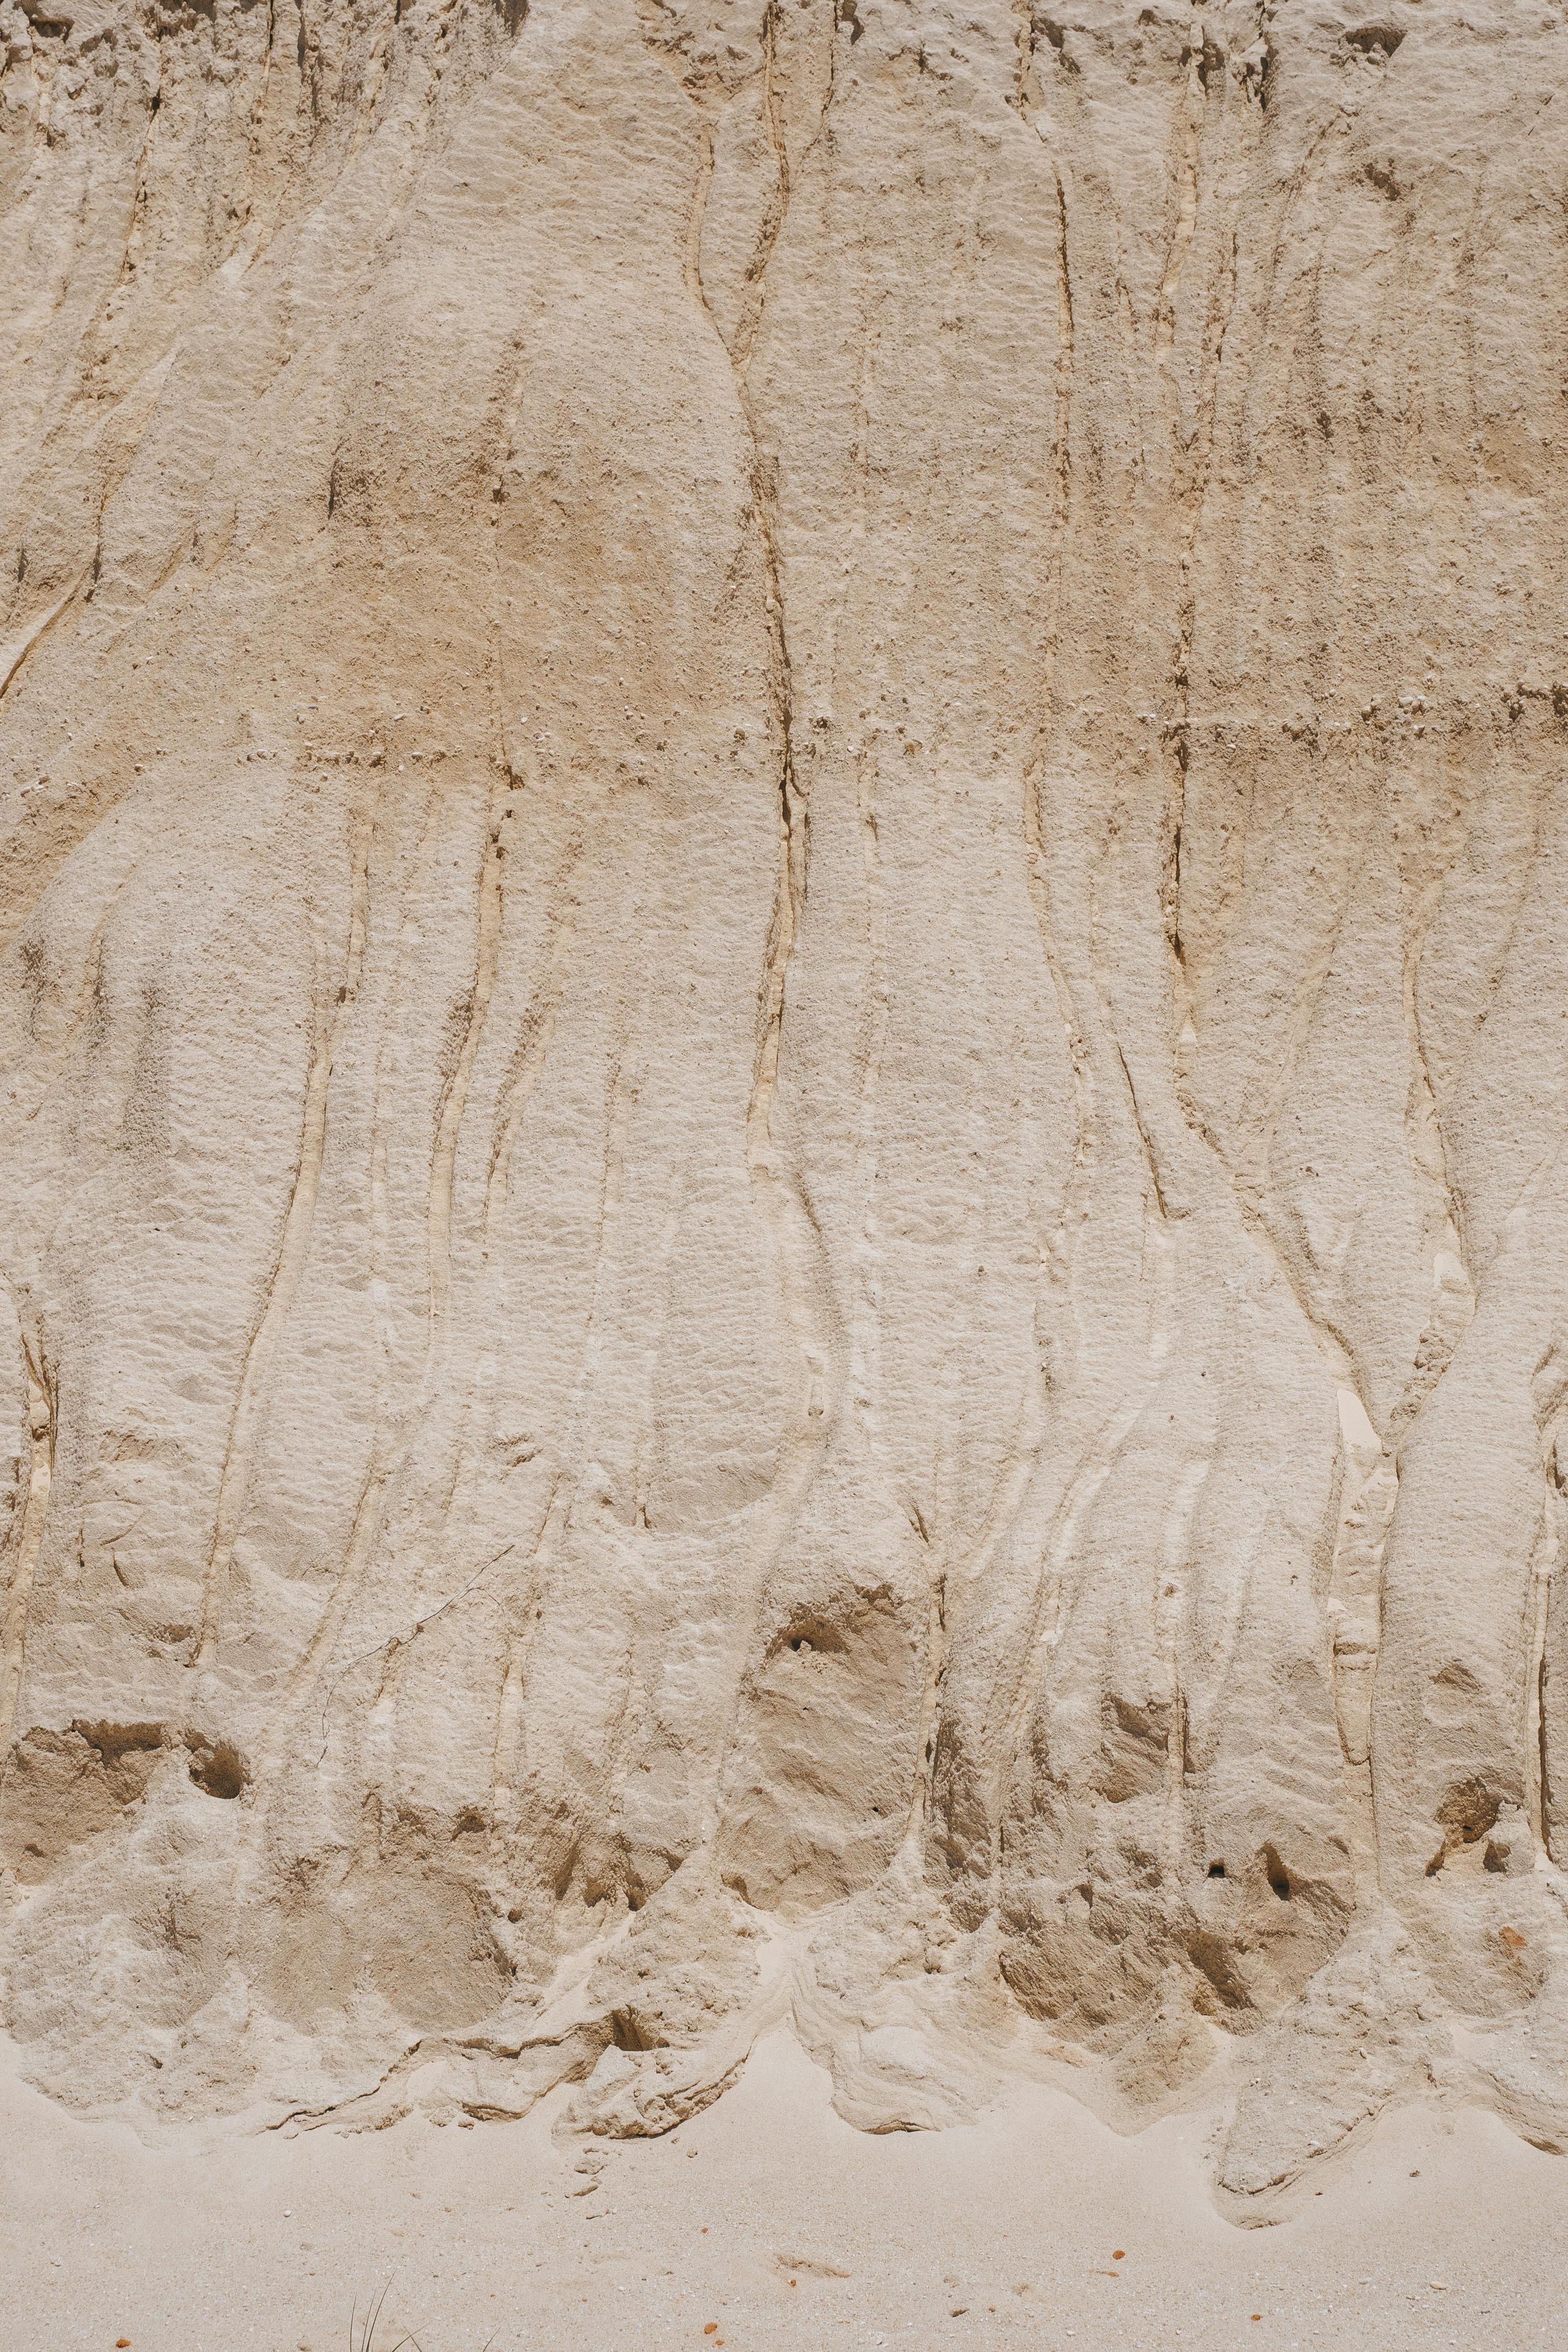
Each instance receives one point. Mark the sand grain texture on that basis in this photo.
(784, 806)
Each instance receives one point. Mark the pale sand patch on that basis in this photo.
(1436, 2231)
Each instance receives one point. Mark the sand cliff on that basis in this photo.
(784, 805)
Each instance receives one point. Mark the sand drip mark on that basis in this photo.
(1370, 1489)
(788, 1215)
(443, 1164)
(41, 1427)
(283, 1283)
(534, 1034)
(13, 656)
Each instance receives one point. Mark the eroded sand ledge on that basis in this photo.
(786, 1024)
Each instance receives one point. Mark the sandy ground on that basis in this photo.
(774, 2224)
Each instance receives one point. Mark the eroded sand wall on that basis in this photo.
(786, 882)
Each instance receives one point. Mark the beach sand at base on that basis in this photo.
(772, 2223)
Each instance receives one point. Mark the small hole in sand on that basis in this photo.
(1217, 1870)
(219, 1769)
